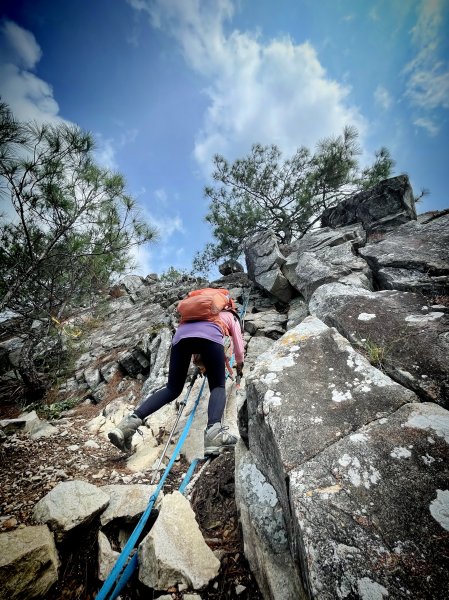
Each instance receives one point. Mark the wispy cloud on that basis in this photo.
(427, 124)
(161, 196)
(382, 97)
(275, 91)
(373, 14)
(428, 74)
(107, 148)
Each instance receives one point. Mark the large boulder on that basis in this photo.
(310, 389)
(230, 266)
(264, 261)
(174, 551)
(414, 257)
(127, 502)
(342, 449)
(335, 263)
(68, 505)
(397, 330)
(268, 323)
(318, 239)
(372, 510)
(388, 204)
(28, 563)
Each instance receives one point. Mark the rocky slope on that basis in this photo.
(341, 473)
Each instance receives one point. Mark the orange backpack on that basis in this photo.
(205, 305)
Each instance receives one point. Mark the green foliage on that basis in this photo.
(70, 224)
(172, 274)
(262, 191)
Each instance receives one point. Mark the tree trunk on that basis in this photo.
(36, 383)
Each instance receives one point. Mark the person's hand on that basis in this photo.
(239, 369)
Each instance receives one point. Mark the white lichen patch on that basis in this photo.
(438, 421)
(310, 327)
(358, 437)
(271, 398)
(423, 319)
(316, 420)
(366, 316)
(427, 460)
(356, 475)
(341, 396)
(279, 363)
(269, 378)
(371, 590)
(259, 485)
(363, 388)
(370, 375)
(400, 452)
(439, 508)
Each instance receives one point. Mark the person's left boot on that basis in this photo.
(122, 435)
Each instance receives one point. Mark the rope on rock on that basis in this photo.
(130, 544)
(120, 575)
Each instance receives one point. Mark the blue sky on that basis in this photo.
(165, 84)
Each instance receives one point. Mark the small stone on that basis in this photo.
(240, 589)
(91, 444)
(10, 523)
(73, 448)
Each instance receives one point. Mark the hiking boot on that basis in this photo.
(217, 437)
(122, 435)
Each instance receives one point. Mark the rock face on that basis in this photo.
(413, 348)
(414, 257)
(343, 469)
(389, 204)
(264, 530)
(28, 563)
(264, 261)
(335, 263)
(349, 488)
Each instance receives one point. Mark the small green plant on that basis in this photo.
(53, 411)
(156, 328)
(376, 354)
(172, 274)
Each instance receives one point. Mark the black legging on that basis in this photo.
(212, 356)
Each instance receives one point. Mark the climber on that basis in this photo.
(196, 337)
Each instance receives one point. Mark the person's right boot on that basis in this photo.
(122, 435)
(216, 438)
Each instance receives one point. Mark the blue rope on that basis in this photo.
(133, 563)
(114, 574)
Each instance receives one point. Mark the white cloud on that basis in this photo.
(143, 260)
(20, 43)
(167, 226)
(274, 92)
(428, 75)
(427, 124)
(107, 148)
(29, 97)
(105, 152)
(383, 97)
